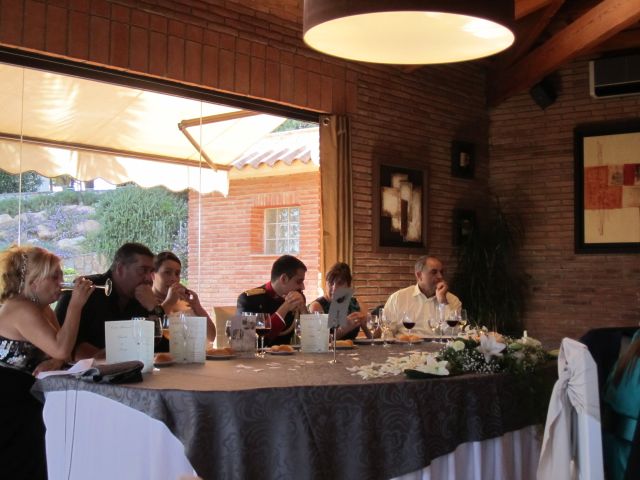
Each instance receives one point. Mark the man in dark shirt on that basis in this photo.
(131, 296)
(281, 297)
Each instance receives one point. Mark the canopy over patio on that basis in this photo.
(62, 125)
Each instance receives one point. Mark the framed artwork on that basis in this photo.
(464, 223)
(399, 207)
(607, 188)
(463, 159)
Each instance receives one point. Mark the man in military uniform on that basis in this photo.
(281, 297)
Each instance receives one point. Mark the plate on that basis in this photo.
(413, 342)
(168, 363)
(280, 353)
(418, 374)
(435, 338)
(220, 357)
(346, 347)
(370, 341)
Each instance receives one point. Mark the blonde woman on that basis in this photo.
(30, 341)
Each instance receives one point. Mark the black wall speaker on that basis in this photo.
(543, 93)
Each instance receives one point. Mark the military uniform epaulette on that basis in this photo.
(255, 291)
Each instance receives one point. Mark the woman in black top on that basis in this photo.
(340, 276)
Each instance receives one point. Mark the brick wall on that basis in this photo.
(532, 167)
(231, 257)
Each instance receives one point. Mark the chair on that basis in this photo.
(633, 467)
(572, 443)
(605, 346)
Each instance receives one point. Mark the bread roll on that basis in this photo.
(344, 343)
(163, 357)
(282, 348)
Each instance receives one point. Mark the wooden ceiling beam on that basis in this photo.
(594, 27)
(523, 8)
(527, 32)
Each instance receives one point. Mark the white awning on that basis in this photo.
(61, 125)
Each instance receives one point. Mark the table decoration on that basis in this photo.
(477, 351)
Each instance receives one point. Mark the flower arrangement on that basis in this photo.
(478, 351)
(490, 352)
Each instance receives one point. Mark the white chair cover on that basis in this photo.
(572, 443)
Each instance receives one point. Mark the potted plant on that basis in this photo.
(489, 279)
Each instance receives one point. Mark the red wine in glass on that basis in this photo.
(452, 322)
(262, 331)
(408, 324)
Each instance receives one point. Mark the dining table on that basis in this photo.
(296, 415)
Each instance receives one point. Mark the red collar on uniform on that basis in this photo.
(270, 291)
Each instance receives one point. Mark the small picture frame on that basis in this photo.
(464, 223)
(463, 159)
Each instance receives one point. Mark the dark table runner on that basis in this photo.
(299, 417)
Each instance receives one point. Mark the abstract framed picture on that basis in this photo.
(399, 207)
(607, 187)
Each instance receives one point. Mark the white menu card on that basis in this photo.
(188, 338)
(339, 307)
(127, 340)
(315, 333)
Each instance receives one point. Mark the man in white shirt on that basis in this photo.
(421, 300)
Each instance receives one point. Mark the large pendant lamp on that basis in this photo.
(408, 32)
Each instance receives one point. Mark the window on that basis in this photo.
(282, 230)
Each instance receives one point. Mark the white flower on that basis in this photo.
(490, 347)
(530, 342)
(433, 367)
(458, 346)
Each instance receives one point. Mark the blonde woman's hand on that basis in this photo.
(82, 291)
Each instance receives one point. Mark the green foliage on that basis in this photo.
(48, 201)
(10, 183)
(154, 217)
(291, 124)
(489, 280)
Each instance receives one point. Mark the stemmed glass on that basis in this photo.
(157, 330)
(227, 331)
(385, 327)
(464, 318)
(408, 322)
(372, 325)
(452, 321)
(263, 326)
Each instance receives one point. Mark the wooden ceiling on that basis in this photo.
(552, 33)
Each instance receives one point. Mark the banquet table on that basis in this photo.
(295, 416)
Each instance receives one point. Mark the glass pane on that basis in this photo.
(283, 214)
(294, 246)
(270, 232)
(270, 215)
(283, 231)
(294, 230)
(294, 214)
(270, 246)
(282, 246)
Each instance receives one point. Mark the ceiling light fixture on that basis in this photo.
(408, 32)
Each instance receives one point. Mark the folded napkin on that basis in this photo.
(122, 372)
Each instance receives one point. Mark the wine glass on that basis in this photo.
(227, 331)
(452, 321)
(385, 327)
(408, 322)
(372, 325)
(434, 324)
(464, 318)
(157, 330)
(263, 326)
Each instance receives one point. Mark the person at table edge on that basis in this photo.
(339, 275)
(132, 296)
(422, 299)
(281, 297)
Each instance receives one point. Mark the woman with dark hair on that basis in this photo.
(173, 296)
(31, 341)
(340, 276)
(621, 410)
